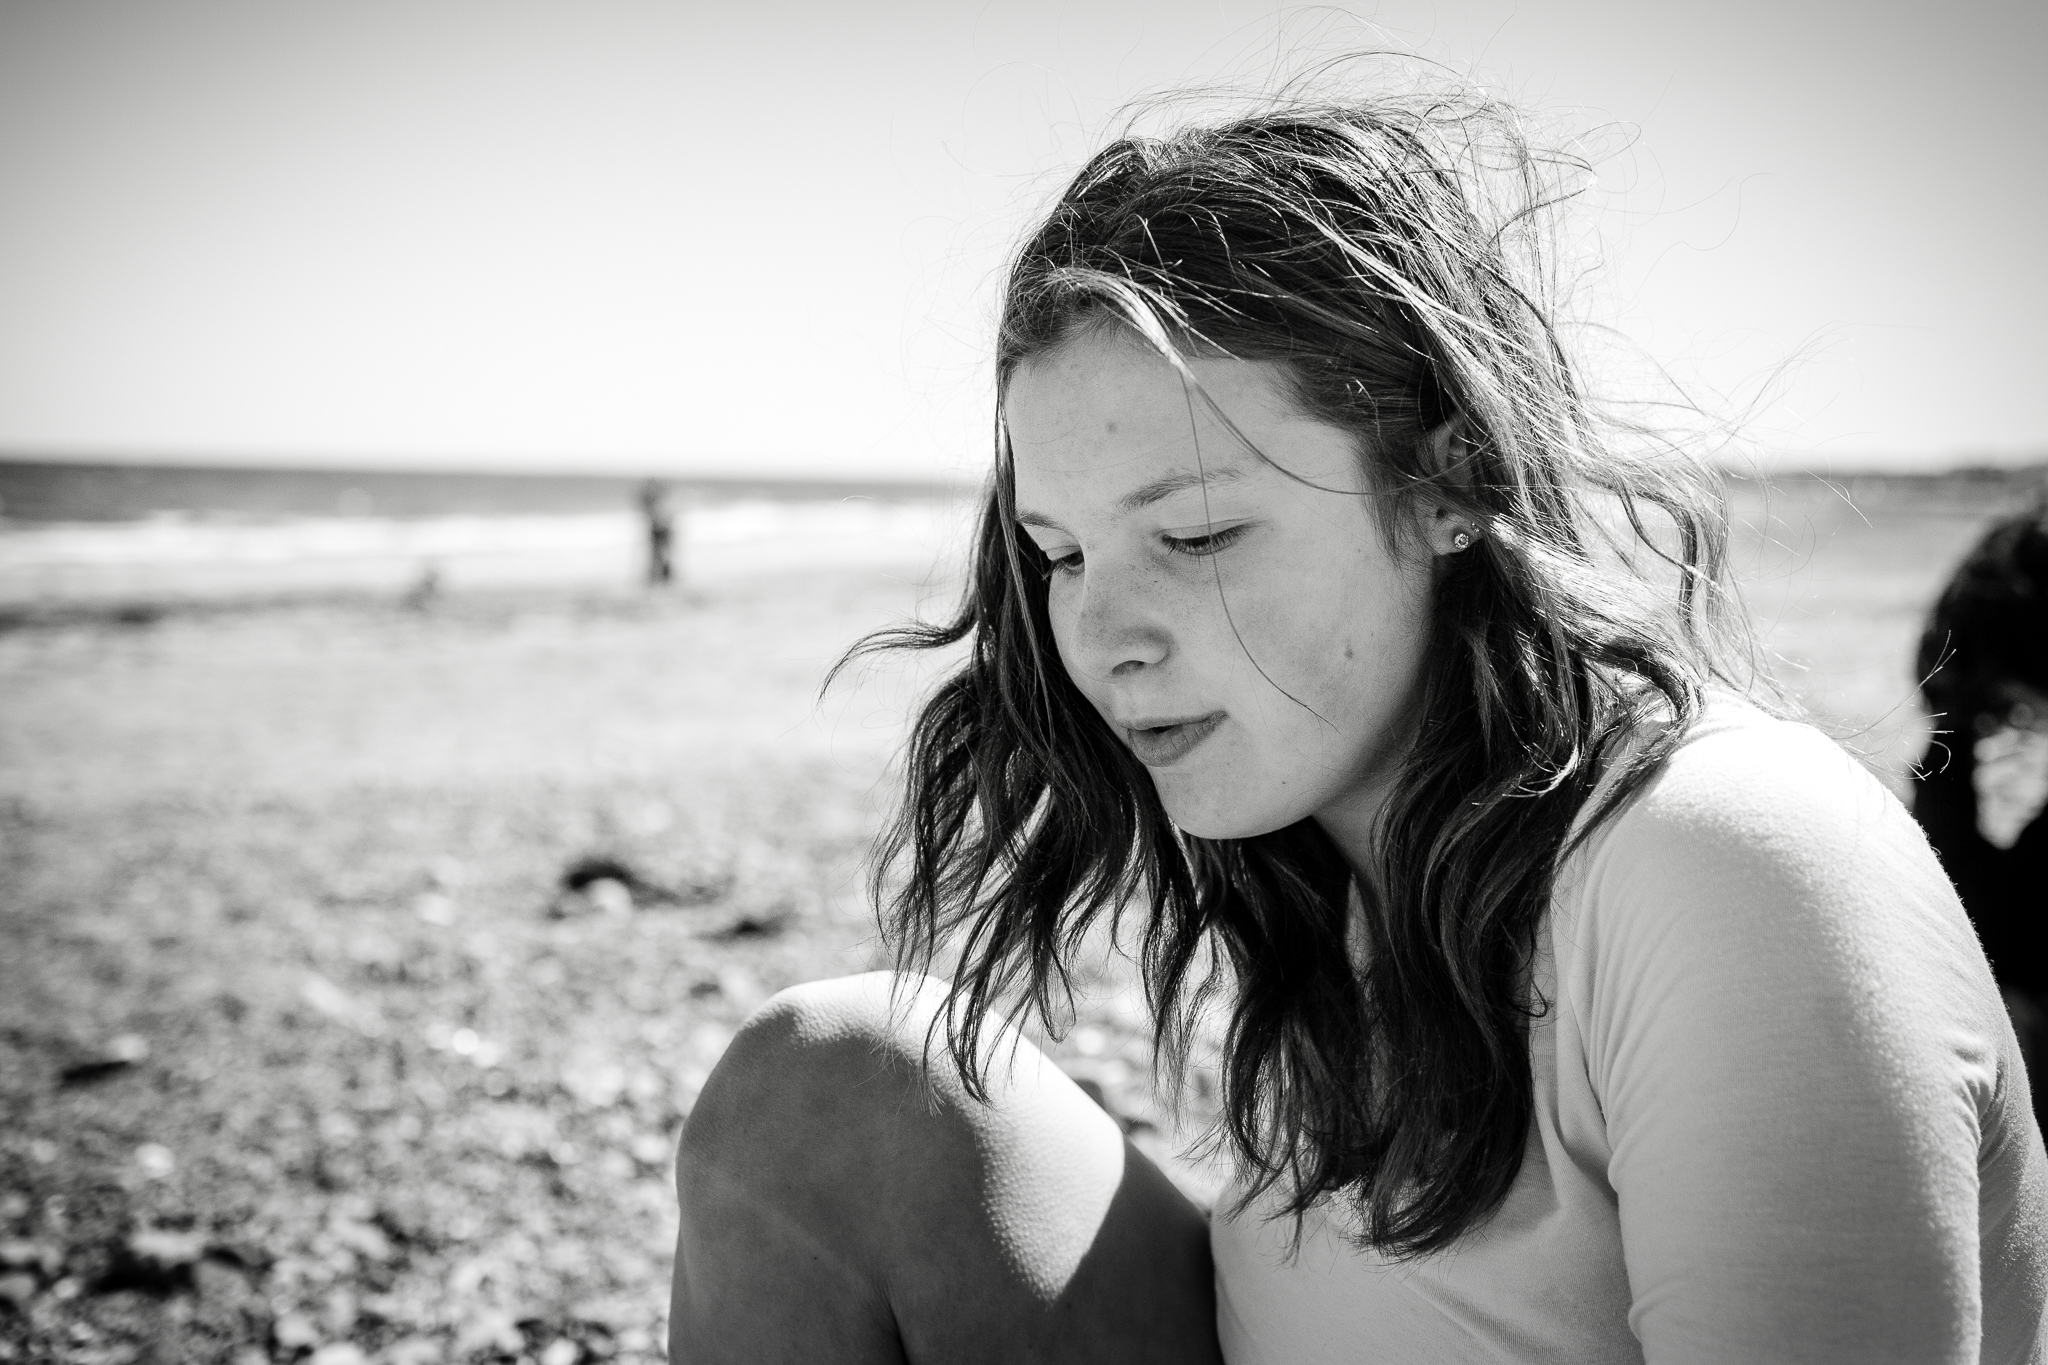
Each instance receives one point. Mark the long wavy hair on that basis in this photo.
(1390, 254)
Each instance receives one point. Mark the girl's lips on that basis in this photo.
(1161, 745)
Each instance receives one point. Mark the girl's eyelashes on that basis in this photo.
(1208, 542)
(1067, 560)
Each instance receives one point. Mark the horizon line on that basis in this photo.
(1842, 466)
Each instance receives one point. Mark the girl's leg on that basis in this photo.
(839, 1203)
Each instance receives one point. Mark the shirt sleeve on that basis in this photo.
(1800, 1058)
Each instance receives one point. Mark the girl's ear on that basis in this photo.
(1446, 454)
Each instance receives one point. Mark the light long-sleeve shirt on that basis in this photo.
(1780, 1114)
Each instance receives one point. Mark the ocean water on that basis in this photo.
(104, 534)
(115, 533)
(38, 491)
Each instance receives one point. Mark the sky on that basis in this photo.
(764, 238)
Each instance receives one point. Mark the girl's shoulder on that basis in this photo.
(1778, 786)
(1758, 833)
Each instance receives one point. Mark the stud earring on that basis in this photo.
(1462, 541)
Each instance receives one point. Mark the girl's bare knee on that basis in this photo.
(830, 1147)
(775, 1180)
(795, 1077)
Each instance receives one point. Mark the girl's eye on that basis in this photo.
(1066, 562)
(1208, 543)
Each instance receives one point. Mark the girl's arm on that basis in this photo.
(1820, 1130)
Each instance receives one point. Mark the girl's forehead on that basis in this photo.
(1107, 380)
(1106, 416)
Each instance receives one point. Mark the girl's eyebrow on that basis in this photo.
(1175, 483)
(1146, 494)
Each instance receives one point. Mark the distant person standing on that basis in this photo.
(657, 509)
(1981, 784)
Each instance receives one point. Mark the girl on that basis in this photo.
(1578, 1010)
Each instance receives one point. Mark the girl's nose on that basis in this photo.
(1119, 624)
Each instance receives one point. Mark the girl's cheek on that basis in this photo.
(1062, 619)
(1061, 636)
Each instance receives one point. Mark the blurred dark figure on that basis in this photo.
(425, 588)
(658, 510)
(1984, 661)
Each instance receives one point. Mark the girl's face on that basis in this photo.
(1242, 623)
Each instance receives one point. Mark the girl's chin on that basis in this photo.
(1211, 814)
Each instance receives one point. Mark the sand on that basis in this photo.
(304, 1049)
